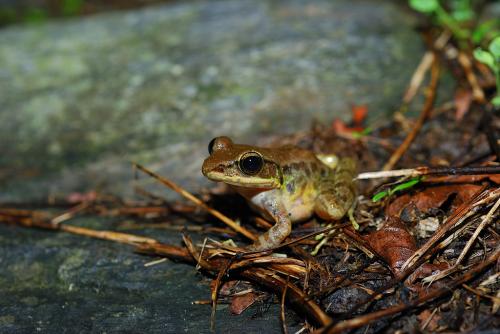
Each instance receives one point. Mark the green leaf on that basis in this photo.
(495, 47)
(485, 57)
(486, 28)
(406, 185)
(71, 7)
(378, 196)
(361, 134)
(463, 15)
(496, 101)
(424, 6)
(35, 15)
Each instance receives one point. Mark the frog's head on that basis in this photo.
(241, 165)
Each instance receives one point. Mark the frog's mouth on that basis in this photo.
(245, 182)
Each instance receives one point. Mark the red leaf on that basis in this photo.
(359, 114)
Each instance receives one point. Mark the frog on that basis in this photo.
(286, 184)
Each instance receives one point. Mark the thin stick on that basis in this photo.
(481, 294)
(70, 213)
(484, 222)
(124, 238)
(477, 91)
(421, 171)
(155, 262)
(282, 308)
(226, 220)
(429, 102)
(451, 222)
(454, 268)
(108, 235)
(418, 76)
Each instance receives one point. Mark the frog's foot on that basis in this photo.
(350, 214)
(273, 237)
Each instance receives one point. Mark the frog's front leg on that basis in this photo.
(280, 230)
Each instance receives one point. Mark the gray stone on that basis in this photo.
(81, 97)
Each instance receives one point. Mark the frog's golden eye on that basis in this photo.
(251, 163)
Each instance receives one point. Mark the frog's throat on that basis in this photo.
(253, 182)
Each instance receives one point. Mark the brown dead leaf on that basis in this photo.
(393, 242)
(241, 302)
(226, 289)
(463, 179)
(429, 319)
(411, 206)
(463, 99)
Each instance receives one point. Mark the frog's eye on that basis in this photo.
(211, 145)
(219, 143)
(251, 163)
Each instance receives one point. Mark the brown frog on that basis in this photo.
(287, 184)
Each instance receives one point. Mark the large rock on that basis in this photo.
(80, 98)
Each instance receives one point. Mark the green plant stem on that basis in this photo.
(450, 22)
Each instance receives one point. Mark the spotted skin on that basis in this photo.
(291, 184)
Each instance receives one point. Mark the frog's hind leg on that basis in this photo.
(336, 192)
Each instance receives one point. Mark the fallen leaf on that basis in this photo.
(411, 206)
(393, 242)
(226, 289)
(429, 320)
(359, 114)
(463, 99)
(240, 303)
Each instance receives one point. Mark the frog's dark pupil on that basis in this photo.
(251, 164)
(211, 146)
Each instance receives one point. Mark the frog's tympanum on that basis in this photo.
(287, 184)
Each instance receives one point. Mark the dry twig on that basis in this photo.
(226, 220)
(429, 102)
